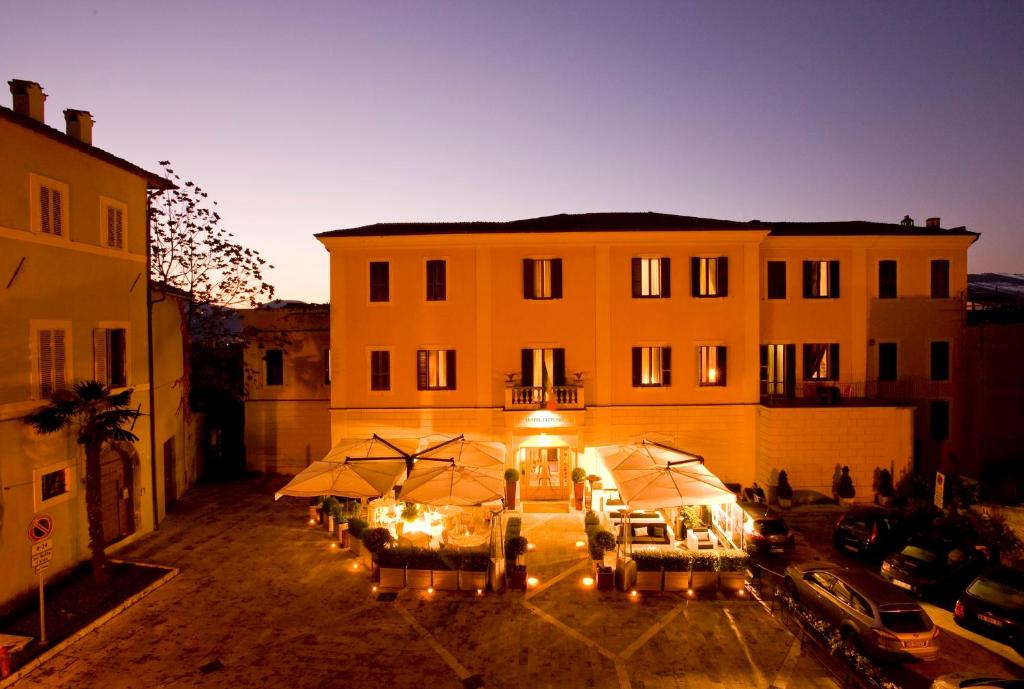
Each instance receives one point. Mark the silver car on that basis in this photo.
(868, 612)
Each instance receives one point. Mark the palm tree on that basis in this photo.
(98, 416)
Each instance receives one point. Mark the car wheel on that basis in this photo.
(851, 641)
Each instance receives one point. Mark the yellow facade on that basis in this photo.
(744, 434)
(86, 280)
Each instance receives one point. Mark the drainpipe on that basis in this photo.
(152, 381)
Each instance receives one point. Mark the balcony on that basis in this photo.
(861, 393)
(526, 398)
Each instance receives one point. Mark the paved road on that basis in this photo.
(263, 601)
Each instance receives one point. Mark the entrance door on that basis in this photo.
(544, 473)
(116, 495)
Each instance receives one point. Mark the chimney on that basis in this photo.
(933, 223)
(79, 125)
(28, 98)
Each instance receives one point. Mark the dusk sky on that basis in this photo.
(302, 117)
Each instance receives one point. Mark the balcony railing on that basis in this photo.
(523, 397)
(833, 393)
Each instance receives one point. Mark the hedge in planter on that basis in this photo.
(677, 570)
(444, 568)
(392, 563)
(648, 571)
(704, 573)
(732, 570)
(473, 570)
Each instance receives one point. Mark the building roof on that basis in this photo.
(153, 180)
(636, 222)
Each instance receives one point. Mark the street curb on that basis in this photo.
(98, 622)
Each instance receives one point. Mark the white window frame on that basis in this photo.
(105, 204)
(35, 183)
(711, 350)
(35, 383)
(68, 467)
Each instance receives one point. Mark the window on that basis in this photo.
(542, 278)
(113, 224)
(711, 364)
(380, 370)
(940, 361)
(887, 279)
(778, 370)
(109, 356)
(887, 361)
(274, 359)
(651, 278)
(821, 362)
(51, 362)
(542, 368)
(435, 369)
(776, 279)
(938, 419)
(49, 207)
(652, 366)
(54, 484)
(326, 359)
(709, 277)
(940, 279)
(436, 281)
(821, 279)
(380, 284)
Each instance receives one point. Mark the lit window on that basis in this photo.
(821, 362)
(274, 369)
(821, 279)
(651, 277)
(380, 286)
(652, 366)
(435, 369)
(380, 370)
(778, 370)
(711, 364)
(709, 277)
(542, 278)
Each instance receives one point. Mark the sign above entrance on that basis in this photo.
(543, 418)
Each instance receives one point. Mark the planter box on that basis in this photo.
(445, 579)
(366, 557)
(648, 581)
(340, 530)
(516, 576)
(314, 513)
(731, 582)
(703, 581)
(677, 581)
(392, 578)
(330, 524)
(345, 537)
(471, 581)
(606, 579)
(418, 578)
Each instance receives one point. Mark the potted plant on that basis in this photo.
(784, 491)
(375, 540)
(886, 492)
(648, 571)
(354, 535)
(732, 576)
(578, 477)
(330, 508)
(689, 518)
(677, 570)
(515, 548)
(704, 574)
(314, 509)
(601, 542)
(473, 570)
(392, 567)
(511, 478)
(418, 571)
(845, 490)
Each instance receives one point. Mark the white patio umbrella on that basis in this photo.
(652, 475)
(480, 454)
(354, 468)
(442, 482)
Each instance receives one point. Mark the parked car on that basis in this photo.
(764, 531)
(870, 532)
(993, 605)
(972, 680)
(868, 612)
(927, 568)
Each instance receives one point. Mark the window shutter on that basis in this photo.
(44, 209)
(833, 361)
(637, 365)
(422, 366)
(723, 276)
(809, 360)
(119, 229)
(808, 279)
(666, 366)
(99, 355)
(110, 227)
(666, 278)
(558, 361)
(556, 278)
(528, 289)
(763, 366)
(789, 361)
(58, 220)
(637, 274)
(441, 281)
(694, 276)
(45, 363)
(833, 279)
(526, 368)
(720, 354)
(385, 370)
(117, 357)
(450, 369)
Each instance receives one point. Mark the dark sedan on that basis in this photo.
(764, 531)
(928, 568)
(993, 605)
(869, 532)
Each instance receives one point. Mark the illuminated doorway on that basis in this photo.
(544, 472)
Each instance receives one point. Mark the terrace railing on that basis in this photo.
(525, 397)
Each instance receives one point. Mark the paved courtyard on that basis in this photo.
(262, 600)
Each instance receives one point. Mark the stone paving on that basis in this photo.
(262, 600)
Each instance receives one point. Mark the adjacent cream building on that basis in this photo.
(761, 346)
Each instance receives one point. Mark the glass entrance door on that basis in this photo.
(544, 473)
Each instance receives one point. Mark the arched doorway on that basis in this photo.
(117, 491)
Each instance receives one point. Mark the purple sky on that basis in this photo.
(300, 117)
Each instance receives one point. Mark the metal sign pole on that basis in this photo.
(42, 611)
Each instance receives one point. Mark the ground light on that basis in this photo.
(479, 592)
(374, 589)
(531, 546)
(430, 590)
(588, 581)
(580, 544)
(312, 522)
(334, 546)
(689, 592)
(532, 581)
(634, 594)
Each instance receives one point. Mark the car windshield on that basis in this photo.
(906, 621)
(919, 553)
(997, 592)
(770, 527)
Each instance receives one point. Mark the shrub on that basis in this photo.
(783, 489)
(846, 489)
(511, 475)
(515, 546)
(604, 540)
(885, 487)
(579, 475)
(477, 560)
(732, 560)
(690, 515)
(356, 526)
(677, 562)
(513, 527)
(647, 561)
(376, 539)
(591, 518)
(397, 557)
(705, 561)
(317, 501)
